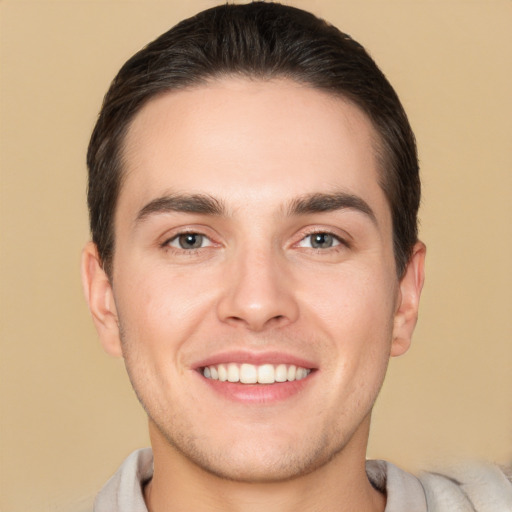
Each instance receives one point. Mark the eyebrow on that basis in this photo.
(188, 203)
(320, 202)
(208, 205)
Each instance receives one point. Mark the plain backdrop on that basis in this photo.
(68, 414)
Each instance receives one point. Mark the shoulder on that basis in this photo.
(124, 491)
(470, 487)
(475, 487)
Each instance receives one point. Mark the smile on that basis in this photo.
(255, 374)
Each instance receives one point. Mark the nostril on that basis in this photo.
(277, 319)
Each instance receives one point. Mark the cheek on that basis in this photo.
(354, 301)
(355, 314)
(156, 317)
(161, 300)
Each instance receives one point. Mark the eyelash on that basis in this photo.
(338, 242)
(167, 243)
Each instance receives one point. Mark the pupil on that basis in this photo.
(321, 240)
(190, 241)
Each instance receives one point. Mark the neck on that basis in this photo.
(341, 485)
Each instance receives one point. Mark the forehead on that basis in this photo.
(247, 140)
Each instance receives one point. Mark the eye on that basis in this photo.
(189, 241)
(319, 241)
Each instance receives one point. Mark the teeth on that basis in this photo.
(233, 373)
(252, 374)
(281, 373)
(266, 374)
(300, 373)
(248, 374)
(223, 373)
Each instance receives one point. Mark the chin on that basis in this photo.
(252, 460)
(259, 469)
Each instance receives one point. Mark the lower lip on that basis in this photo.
(258, 393)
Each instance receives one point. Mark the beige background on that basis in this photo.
(68, 415)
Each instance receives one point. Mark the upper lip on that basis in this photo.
(256, 358)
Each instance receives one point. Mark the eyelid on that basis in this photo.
(336, 240)
(340, 236)
(176, 238)
(174, 234)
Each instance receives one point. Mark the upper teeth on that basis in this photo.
(252, 374)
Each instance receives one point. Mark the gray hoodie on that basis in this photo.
(468, 488)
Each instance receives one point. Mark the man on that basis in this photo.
(253, 193)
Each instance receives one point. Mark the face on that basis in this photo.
(254, 281)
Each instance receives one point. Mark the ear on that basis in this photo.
(406, 313)
(100, 298)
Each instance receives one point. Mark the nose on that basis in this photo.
(258, 292)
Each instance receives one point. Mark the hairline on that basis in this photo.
(380, 150)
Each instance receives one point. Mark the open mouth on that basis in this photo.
(246, 373)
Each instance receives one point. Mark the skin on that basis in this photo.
(255, 284)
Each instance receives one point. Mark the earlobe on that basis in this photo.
(406, 313)
(100, 298)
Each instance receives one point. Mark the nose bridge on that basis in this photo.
(258, 289)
